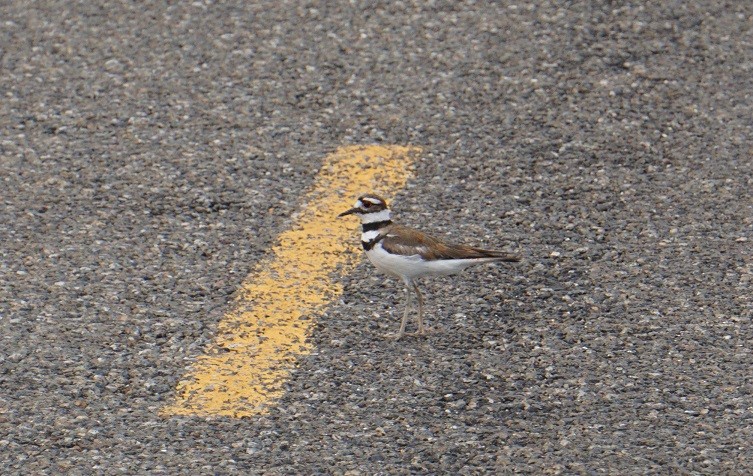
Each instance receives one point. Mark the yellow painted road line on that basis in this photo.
(259, 341)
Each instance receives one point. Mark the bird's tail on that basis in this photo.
(498, 255)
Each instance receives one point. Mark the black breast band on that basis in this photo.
(375, 225)
(367, 245)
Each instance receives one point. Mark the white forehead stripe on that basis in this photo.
(373, 201)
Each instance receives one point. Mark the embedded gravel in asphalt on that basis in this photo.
(149, 154)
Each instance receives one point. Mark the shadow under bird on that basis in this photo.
(409, 254)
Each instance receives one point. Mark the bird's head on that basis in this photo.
(370, 208)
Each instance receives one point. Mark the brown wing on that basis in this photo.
(407, 241)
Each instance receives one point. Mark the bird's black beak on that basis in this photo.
(348, 212)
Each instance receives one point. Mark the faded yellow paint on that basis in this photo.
(259, 341)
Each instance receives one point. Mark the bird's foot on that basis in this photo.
(421, 332)
(396, 336)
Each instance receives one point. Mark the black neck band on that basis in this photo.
(375, 225)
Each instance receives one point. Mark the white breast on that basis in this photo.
(410, 267)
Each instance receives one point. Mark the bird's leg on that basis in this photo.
(421, 329)
(401, 333)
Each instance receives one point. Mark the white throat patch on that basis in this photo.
(383, 215)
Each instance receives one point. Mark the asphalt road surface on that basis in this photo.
(151, 153)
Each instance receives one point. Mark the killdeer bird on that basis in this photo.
(409, 254)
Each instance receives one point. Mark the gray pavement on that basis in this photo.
(149, 153)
